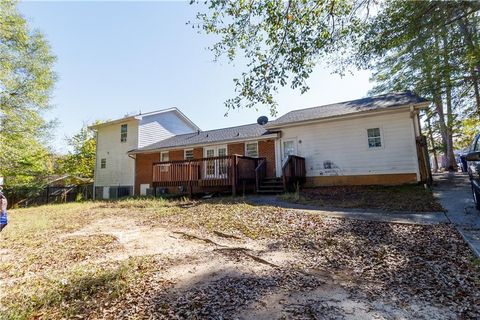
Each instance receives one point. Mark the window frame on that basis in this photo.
(185, 154)
(294, 147)
(380, 136)
(256, 147)
(164, 167)
(103, 163)
(162, 153)
(123, 134)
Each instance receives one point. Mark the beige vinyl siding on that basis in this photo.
(340, 147)
(161, 126)
(120, 168)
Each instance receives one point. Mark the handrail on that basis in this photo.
(293, 169)
(289, 159)
(204, 159)
(260, 172)
(193, 160)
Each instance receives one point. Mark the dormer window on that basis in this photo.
(123, 132)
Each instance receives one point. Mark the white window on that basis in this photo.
(288, 148)
(188, 155)
(222, 163)
(251, 149)
(374, 138)
(103, 163)
(163, 158)
(123, 132)
(210, 165)
(217, 168)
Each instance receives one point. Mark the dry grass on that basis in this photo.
(75, 292)
(412, 198)
(51, 270)
(47, 266)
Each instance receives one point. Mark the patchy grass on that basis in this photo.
(55, 254)
(53, 266)
(40, 237)
(387, 198)
(78, 291)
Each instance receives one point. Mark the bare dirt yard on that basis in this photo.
(224, 259)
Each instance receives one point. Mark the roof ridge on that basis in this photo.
(346, 101)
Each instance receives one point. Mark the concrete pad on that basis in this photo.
(454, 193)
(424, 218)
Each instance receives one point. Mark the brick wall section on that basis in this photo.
(144, 169)
(266, 149)
(198, 153)
(236, 148)
(175, 155)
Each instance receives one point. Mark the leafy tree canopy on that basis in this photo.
(282, 41)
(26, 81)
(81, 160)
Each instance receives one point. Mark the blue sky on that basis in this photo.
(117, 58)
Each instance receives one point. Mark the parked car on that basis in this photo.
(473, 164)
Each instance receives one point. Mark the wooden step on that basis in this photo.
(280, 189)
(271, 185)
(270, 191)
(272, 178)
(270, 182)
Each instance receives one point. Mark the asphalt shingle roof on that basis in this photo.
(248, 131)
(251, 131)
(343, 108)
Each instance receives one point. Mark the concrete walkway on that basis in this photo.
(425, 218)
(453, 191)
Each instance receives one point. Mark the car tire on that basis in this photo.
(476, 198)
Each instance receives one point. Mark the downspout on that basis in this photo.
(415, 135)
(134, 157)
(95, 169)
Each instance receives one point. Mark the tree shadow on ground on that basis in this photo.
(403, 263)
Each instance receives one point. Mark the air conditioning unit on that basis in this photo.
(161, 190)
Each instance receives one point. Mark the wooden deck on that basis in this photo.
(222, 172)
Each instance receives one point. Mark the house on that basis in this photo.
(375, 140)
(114, 168)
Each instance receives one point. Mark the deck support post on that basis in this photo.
(234, 177)
(190, 183)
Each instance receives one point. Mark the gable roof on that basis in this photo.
(238, 133)
(141, 115)
(381, 102)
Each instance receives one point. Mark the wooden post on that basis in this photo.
(234, 176)
(48, 194)
(190, 178)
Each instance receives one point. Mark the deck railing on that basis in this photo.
(205, 172)
(260, 173)
(293, 171)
